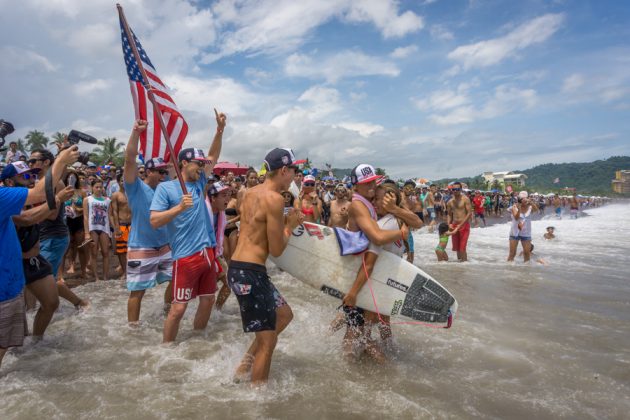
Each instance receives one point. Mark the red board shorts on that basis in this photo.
(460, 239)
(195, 275)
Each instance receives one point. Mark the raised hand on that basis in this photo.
(221, 119)
(139, 126)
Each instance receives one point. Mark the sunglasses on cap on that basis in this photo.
(309, 184)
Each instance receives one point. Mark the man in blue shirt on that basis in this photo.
(12, 316)
(149, 261)
(190, 235)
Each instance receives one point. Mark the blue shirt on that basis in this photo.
(11, 271)
(142, 234)
(190, 231)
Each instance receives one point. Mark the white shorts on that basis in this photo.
(148, 267)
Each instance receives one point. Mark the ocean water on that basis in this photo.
(529, 341)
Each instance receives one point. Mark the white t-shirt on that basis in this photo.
(389, 222)
(98, 214)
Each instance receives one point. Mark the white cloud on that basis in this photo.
(441, 100)
(364, 129)
(505, 100)
(402, 52)
(89, 87)
(384, 14)
(337, 66)
(492, 51)
(573, 82)
(281, 26)
(441, 33)
(20, 60)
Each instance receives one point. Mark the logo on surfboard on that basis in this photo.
(332, 292)
(396, 285)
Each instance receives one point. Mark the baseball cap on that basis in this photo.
(155, 163)
(17, 168)
(362, 174)
(279, 157)
(308, 178)
(192, 154)
(410, 182)
(91, 165)
(217, 187)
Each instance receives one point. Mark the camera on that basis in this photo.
(74, 137)
(6, 128)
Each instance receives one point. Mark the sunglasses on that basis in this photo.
(33, 161)
(163, 171)
(28, 176)
(456, 189)
(309, 184)
(140, 172)
(199, 163)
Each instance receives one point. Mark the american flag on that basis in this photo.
(151, 140)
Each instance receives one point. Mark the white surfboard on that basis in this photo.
(402, 290)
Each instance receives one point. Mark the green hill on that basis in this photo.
(587, 178)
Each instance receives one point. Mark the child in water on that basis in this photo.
(444, 233)
(549, 235)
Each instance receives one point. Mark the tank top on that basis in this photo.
(525, 218)
(98, 214)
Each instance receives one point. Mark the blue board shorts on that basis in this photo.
(53, 250)
(520, 238)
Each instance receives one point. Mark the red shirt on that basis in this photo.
(478, 201)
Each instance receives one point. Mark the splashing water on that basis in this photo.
(529, 340)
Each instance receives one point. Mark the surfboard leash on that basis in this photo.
(449, 321)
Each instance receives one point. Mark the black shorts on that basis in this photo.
(36, 268)
(354, 316)
(75, 225)
(257, 296)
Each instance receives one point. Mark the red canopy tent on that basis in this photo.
(223, 168)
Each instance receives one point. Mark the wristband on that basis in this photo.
(219, 130)
(50, 191)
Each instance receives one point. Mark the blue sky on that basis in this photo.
(421, 88)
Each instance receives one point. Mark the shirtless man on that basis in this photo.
(557, 204)
(339, 207)
(264, 231)
(459, 212)
(121, 216)
(430, 205)
(411, 202)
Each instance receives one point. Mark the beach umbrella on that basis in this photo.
(223, 167)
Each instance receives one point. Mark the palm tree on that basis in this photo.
(21, 145)
(58, 139)
(109, 150)
(380, 171)
(36, 140)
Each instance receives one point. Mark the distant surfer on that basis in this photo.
(264, 231)
(459, 212)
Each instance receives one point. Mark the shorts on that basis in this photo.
(36, 268)
(354, 316)
(431, 213)
(558, 211)
(194, 275)
(148, 267)
(121, 242)
(520, 238)
(257, 297)
(53, 250)
(460, 239)
(410, 242)
(480, 214)
(75, 224)
(13, 325)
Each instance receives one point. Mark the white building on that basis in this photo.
(505, 177)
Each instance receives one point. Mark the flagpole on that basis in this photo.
(147, 86)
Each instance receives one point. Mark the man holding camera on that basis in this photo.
(12, 315)
(54, 234)
(149, 260)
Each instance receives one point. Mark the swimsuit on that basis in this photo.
(443, 240)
